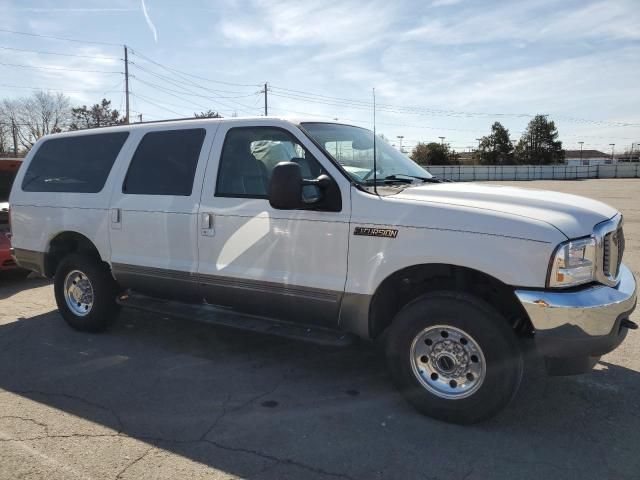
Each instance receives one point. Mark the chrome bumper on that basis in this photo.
(592, 312)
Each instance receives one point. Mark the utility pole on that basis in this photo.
(400, 137)
(612, 146)
(14, 132)
(442, 140)
(126, 83)
(581, 143)
(266, 105)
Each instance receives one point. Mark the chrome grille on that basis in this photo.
(613, 248)
(610, 248)
(620, 248)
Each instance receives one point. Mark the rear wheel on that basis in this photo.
(85, 293)
(454, 357)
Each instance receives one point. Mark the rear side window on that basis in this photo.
(73, 164)
(165, 163)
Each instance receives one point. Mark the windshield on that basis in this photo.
(352, 147)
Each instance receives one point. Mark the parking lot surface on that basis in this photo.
(157, 398)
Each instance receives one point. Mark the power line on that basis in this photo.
(155, 85)
(57, 68)
(98, 57)
(183, 99)
(176, 71)
(181, 86)
(417, 110)
(141, 97)
(168, 92)
(65, 39)
(55, 89)
(174, 82)
(319, 98)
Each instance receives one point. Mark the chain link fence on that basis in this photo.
(470, 173)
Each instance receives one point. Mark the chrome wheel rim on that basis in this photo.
(78, 293)
(448, 362)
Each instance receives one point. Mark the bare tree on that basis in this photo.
(5, 137)
(40, 114)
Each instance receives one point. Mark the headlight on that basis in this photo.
(573, 263)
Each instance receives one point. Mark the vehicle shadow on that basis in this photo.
(14, 281)
(250, 405)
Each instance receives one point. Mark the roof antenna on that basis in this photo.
(375, 168)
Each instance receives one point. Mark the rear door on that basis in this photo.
(286, 264)
(154, 210)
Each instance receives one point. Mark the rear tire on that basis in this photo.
(85, 293)
(454, 357)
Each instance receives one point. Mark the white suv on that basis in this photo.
(286, 227)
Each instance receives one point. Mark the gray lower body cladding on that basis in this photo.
(293, 303)
(29, 259)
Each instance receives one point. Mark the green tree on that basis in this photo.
(496, 148)
(207, 114)
(98, 115)
(433, 154)
(539, 144)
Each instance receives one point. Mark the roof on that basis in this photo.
(194, 122)
(585, 154)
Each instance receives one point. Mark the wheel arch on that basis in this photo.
(65, 243)
(405, 285)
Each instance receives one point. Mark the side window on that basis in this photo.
(78, 164)
(249, 155)
(165, 163)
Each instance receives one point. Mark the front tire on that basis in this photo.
(454, 357)
(85, 293)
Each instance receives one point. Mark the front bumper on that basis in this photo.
(581, 325)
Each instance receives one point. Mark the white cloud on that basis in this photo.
(291, 23)
(444, 3)
(523, 21)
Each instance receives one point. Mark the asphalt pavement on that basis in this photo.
(157, 398)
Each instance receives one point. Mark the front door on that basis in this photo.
(154, 211)
(285, 264)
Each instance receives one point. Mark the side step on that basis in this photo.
(229, 318)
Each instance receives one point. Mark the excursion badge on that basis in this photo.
(376, 232)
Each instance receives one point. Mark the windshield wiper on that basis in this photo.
(390, 180)
(424, 179)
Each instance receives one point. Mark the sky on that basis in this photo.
(440, 68)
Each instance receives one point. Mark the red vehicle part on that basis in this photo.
(8, 170)
(6, 261)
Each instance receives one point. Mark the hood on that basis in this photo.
(573, 215)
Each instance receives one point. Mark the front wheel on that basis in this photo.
(454, 357)
(85, 293)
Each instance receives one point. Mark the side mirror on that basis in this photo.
(285, 187)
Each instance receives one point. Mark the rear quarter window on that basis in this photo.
(79, 164)
(165, 163)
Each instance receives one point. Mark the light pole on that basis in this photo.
(612, 146)
(476, 157)
(581, 143)
(400, 137)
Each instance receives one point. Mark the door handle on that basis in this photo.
(116, 218)
(207, 225)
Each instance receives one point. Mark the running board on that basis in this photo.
(228, 318)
